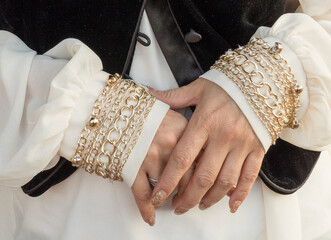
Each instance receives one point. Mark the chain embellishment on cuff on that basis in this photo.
(276, 102)
(113, 128)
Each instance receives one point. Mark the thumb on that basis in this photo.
(179, 97)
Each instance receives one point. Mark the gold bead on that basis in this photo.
(296, 124)
(76, 159)
(112, 79)
(93, 122)
(259, 41)
(298, 89)
(276, 49)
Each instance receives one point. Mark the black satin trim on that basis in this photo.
(48, 178)
(180, 58)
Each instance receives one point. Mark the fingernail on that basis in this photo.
(151, 221)
(180, 210)
(203, 206)
(158, 198)
(235, 206)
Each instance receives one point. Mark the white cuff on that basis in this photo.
(231, 88)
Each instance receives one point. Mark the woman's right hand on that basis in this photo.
(165, 139)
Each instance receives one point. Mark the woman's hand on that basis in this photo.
(219, 141)
(165, 139)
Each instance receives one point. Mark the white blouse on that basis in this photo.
(46, 100)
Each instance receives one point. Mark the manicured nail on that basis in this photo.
(158, 198)
(235, 206)
(203, 206)
(180, 210)
(151, 221)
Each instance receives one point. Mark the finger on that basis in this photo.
(183, 183)
(203, 179)
(179, 97)
(249, 173)
(185, 180)
(225, 181)
(142, 193)
(188, 175)
(182, 157)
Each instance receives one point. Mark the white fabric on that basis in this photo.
(88, 207)
(54, 92)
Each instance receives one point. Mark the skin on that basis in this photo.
(165, 139)
(218, 143)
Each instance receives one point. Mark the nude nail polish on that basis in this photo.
(180, 210)
(151, 221)
(203, 206)
(158, 198)
(235, 206)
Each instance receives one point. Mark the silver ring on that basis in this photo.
(152, 182)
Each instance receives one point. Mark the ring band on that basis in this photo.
(152, 182)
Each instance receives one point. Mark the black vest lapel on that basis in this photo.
(180, 58)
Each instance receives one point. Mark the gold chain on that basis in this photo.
(275, 104)
(113, 129)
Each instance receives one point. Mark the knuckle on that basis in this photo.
(235, 128)
(170, 139)
(204, 181)
(153, 153)
(233, 131)
(250, 177)
(225, 183)
(181, 160)
(260, 153)
(251, 138)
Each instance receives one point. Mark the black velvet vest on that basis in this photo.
(111, 27)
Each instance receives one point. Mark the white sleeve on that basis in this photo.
(45, 103)
(307, 46)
